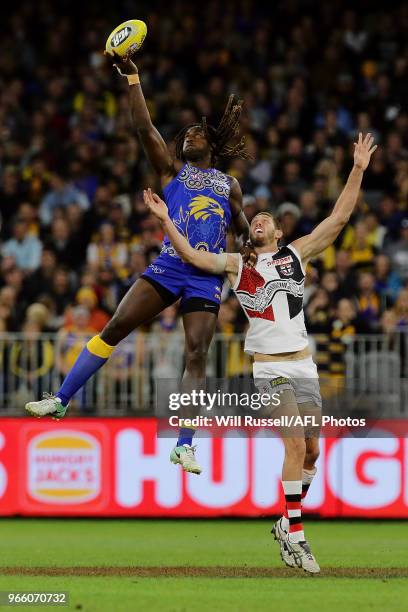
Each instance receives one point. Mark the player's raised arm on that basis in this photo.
(152, 141)
(240, 224)
(327, 231)
(223, 263)
(239, 220)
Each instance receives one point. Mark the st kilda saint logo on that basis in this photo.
(286, 269)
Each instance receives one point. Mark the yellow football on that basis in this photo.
(127, 38)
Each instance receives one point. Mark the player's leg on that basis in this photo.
(307, 396)
(294, 549)
(142, 302)
(295, 451)
(309, 466)
(295, 448)
(310, 408)
(307, 410)
(199, 320)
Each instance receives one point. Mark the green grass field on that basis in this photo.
(190, 566)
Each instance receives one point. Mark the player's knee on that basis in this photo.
(196, 358)
(295, 448)
(311, 456)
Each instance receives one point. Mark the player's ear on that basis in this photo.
(278, 234)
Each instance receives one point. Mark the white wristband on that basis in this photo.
(220, 263)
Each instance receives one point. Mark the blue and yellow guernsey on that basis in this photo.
(198, 203)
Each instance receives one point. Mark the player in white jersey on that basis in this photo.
(271, 295)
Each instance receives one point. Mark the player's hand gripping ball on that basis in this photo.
(126, 39)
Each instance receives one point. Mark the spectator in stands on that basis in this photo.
(137, 265)
(230, 355)
(343, 328)
(87, 298)
(61, 194)
(14, 297)
(288, 215)
(327, 171)
(117, 217)
(10, 197)
(106, 252)
(345, 273)
(376, 231)
(401, 310)
(311, 282)
(318, 312)
(393, 341)
(31, 360)
(389, 322)
(390, 218)
(138, 214)
(226, 319)
(368, 302)
(40, 281)
(72, 338)
(8, 298)
(387, 282)
(23, 247)
(67, 250)
(310, 215)
(330, 283)
(61, 291)
(166, 349)
(398, 252)
(358, 244)
(36, 174)
(29, 214)
(38, 315)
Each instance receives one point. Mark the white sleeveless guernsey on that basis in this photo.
(271, 295)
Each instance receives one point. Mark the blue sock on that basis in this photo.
(185, 436)
(91, 358)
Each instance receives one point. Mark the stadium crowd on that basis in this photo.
(74, 230)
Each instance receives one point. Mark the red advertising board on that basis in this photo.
(119, 467)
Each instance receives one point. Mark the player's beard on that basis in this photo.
(193, 154)
(261, 240)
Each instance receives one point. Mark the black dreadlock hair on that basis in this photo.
(219, 138)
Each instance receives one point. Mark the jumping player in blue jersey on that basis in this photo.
(202, 202)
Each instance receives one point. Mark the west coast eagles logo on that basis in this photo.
(203, 224)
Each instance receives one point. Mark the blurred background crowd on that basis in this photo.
(74, 230)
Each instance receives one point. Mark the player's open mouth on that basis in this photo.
(259, 231)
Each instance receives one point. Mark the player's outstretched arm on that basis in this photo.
(224, 263)
(327, 231)
(155, 148)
